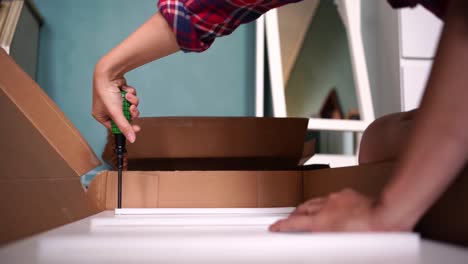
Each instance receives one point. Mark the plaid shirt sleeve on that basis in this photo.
(197, 23)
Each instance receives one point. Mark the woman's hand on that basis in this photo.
(107, 103)
(153, 40)
(346, 210)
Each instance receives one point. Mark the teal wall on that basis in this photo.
(218, 82)
(323, 63)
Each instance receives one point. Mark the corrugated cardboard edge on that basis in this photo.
(75, 151)
(308, 151)
(97, 190)
(368, 179)
(152, 189)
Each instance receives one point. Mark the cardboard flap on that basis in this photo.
(308, 151)
(41, 156)
(45, 116)
(216, 143)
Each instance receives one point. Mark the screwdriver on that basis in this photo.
(120, 147)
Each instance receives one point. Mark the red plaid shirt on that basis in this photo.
(197, 23)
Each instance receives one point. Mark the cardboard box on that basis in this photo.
(216, 143)
(43, 155)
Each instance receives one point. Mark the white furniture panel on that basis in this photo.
(193, 243)
(334, 161)
(414, 76)
(78, 243)
(420, 32)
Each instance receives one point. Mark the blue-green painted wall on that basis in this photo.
(218, 82)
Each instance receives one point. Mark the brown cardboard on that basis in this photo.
(216, 143)
(45, 116)
(32, 206)
(204, 137)
(147, 189)
(41, 156)
(368, 179)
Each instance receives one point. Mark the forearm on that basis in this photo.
(153, 40)
(438, 145)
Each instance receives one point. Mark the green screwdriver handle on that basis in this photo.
(126, 112)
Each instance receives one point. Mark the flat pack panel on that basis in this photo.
(240, 238)
(203, 211)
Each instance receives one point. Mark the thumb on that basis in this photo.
(124, 126)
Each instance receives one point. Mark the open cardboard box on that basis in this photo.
(43, 155)
(210, 162)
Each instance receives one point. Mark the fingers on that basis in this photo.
(296, 223)
(107, 104)
(134, 112)
(310, 207)
(119, 82)
(136, 128)
(133, 100)
(107, 124)
(101, 118)
(129, 89)
(123, 125)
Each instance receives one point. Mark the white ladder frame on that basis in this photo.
(350, 13)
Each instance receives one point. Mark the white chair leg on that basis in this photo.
(275, 64)
(350, 12)
(259, 66)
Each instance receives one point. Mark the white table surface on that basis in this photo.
(237, 236)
